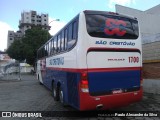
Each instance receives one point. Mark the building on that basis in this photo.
(150, 34)
(27, 21)
(31, 19)
(13, 36)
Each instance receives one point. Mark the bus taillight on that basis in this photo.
(141, 79)
(84, 82)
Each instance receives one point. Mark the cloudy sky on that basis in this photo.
(64, 10)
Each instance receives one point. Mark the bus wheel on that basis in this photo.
(55, 92)
(39, 81)
(61, 95)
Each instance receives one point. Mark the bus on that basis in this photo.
(93, 62)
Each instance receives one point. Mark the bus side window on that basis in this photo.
(69, 36)
(59, 43)
(65, 38)
(55, 45)
(62, 41)
(51, 46)
(72, 34)
(74, 31)
(43, 51)
(47, 49)
(46, 53)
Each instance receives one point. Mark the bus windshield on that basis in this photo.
(109, 26)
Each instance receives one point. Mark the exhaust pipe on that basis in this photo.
(100, 106)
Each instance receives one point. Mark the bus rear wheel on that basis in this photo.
(55, 92)
(61, 97)
(39, 80)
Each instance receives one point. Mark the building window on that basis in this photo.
(11, 39)
(44, 19)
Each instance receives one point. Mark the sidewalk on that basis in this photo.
(14, 77)
(151, 86)
(9, 77)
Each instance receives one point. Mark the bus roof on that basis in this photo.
(107, 13)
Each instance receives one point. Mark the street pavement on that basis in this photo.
(28, 95)
(151, 86)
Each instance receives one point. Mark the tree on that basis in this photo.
(27, 47)
(16, 50)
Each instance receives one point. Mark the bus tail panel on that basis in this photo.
(106, 83)
(111, 71)
(104, 102)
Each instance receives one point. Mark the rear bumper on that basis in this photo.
(88, 102)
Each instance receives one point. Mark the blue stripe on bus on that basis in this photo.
(107, 81)
(69, 83)
(98, 82)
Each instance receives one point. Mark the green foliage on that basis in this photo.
(26, 48)
(16, 50)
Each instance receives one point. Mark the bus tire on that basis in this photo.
(40, 83)
(55, 92)
(61, 97)
(39, 80)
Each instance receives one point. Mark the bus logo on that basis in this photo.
(115, 27)
(101, 42)
(57, 61)
(117, 91)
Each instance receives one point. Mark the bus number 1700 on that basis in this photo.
(133, 59)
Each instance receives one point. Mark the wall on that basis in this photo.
(149, 23)
(151, 51)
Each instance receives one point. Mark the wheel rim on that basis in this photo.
(54, 92)
(61, 96)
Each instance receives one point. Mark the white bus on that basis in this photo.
(94, 62)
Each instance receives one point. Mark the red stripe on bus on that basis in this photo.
(95, 69)
(114, 49)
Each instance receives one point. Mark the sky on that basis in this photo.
(65, 10)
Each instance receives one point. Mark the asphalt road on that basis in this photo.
(28, 95)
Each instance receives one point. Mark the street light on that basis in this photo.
(54, 20)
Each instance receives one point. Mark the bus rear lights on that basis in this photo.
(141, 82)
(135, 93)
(84, 82)
(99, 107)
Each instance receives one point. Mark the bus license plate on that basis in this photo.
(117, 91)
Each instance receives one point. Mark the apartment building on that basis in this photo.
(31, 19)
(13, 36)
(27, 21)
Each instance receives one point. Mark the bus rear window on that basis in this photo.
(107, 26)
